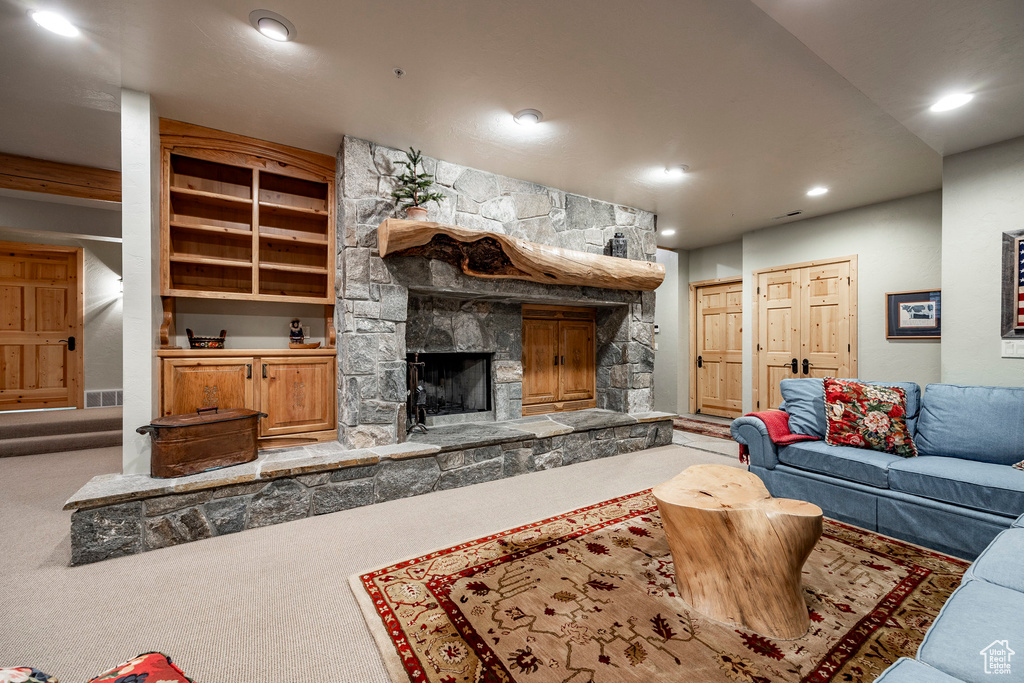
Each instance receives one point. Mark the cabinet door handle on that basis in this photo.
(556, 360)
(264, 371)
(563, 360)
(248, 370)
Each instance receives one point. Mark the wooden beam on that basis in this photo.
(496, 256)
(51, 177)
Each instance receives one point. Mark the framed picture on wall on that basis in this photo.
(913, 315)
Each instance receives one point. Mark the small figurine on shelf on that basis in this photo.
(295, 335)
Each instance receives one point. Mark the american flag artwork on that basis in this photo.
(1020, 283)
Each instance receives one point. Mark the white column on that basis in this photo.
(140, 225)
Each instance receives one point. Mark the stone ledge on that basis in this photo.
(652, 416)
(111, 489)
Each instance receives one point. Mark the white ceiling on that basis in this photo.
(761, 98)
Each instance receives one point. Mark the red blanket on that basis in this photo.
(777, 422)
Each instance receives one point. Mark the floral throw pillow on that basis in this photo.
(1018, 466)
(867, 416)
(24, 674)
(151, 667)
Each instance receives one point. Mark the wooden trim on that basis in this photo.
(52, 177)
(188, 135)
(717, 281)
(558, 407)
(855, 327)
(807, 264)
(755, 354)
(545, 312)
(492, 255)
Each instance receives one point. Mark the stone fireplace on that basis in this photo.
(390, 308)
(450, 387)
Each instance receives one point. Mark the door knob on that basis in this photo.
(700, 361)
(807, 366)
(70, 341)
(792, 364)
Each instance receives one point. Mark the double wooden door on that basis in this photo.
(558, 360)
(41, 321)
(717, 356)
(806, 325)
(295, 392)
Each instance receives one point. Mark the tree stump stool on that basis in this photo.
(738, 552)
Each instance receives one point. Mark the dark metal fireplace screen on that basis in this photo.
(451, 383)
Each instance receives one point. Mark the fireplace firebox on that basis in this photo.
(449, 384)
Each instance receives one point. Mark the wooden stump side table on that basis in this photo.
(738, 552)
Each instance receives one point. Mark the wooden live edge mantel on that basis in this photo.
(495, 256)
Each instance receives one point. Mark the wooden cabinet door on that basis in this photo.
(540, 361)
(296, 395)
(576, 360)
(719, 372)
(41, 310)
(193, 383)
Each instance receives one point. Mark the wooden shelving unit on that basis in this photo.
(250, 220)
(244, 218)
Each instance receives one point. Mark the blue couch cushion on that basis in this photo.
(1000, 563)
(853, 464)
(1019, 522)
(804, 400)
(973, 423)
(980, 485)
(978, 615)
(911, 671)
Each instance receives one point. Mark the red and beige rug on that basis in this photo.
(686, 424)
(589, 596)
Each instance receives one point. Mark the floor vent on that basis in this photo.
(104, 399)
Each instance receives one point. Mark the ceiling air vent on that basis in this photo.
(788, 215)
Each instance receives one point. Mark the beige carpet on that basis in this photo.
(266, 604)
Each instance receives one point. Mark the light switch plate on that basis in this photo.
(1013, 349)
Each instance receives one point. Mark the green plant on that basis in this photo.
(413, 186)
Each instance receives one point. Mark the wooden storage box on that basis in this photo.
(204, 440)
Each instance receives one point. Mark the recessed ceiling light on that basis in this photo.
(52, 21)
(677, 171)
(272, 25)
(667, 233)
(952, 101)
(528, 117)
(817, 191)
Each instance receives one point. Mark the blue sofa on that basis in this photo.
(979, 634)
(955, 497)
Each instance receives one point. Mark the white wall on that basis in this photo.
(720, 260)
(670, 357)
(982, 197)
(38, 219)
(140, 220)
(898, 245)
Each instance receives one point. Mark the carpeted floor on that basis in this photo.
(266, 604)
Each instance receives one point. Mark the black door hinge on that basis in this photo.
(758, 290)
(758, 404)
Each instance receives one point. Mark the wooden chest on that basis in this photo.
(204, 440)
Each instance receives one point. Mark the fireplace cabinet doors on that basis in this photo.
(296, 393)
(558, 359)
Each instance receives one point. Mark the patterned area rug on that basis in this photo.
(589, 596)
(685, 424)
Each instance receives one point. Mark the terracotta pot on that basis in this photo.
(416, 213)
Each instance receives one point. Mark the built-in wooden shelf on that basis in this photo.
(211, 261)
(246, 219)
(291, 268)
(228, 353)
(287, 209)
(212, 196)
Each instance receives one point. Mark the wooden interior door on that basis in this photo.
(295, 394)
(41, 326)
(193, 383)
(540, 361)
(576, 373)
(806, 325)
(718, 361)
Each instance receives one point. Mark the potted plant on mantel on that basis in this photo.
(413, 189)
